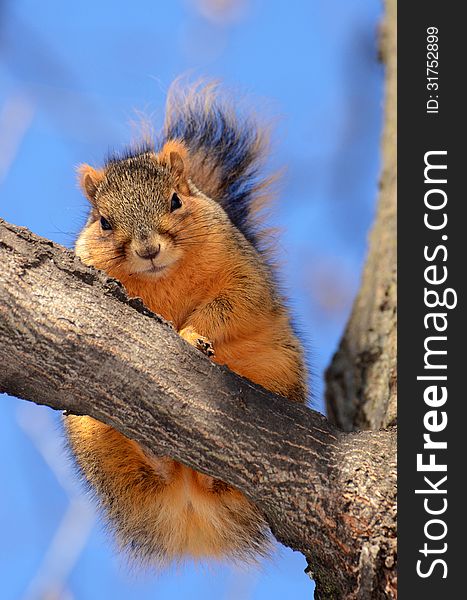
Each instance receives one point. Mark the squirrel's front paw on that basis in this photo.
(197, 340)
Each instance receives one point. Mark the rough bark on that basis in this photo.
(71, 339)
(362, 379)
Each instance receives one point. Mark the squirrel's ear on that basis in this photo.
(89, 179)
(175, 156)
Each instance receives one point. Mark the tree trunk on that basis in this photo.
(71, 339)
(362, 379)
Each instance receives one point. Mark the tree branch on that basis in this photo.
(71, 339)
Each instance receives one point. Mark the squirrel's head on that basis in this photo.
(140, 212)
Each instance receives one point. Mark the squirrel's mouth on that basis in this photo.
(151, 270)
(153, 266)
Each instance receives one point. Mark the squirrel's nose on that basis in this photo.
(149, 252)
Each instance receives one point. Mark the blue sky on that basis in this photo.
(73, 77)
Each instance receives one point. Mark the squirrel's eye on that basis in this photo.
(175, 203)
(106, 226)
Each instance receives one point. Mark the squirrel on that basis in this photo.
(176, 222)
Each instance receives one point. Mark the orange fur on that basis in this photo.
(175, 156)
(90, 179)
(181, 512)
(211, 283)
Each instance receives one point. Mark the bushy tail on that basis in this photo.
(226, 152)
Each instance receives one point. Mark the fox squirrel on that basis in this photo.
(176, 223)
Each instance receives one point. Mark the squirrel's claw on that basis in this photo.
(198, 341)
(205, 346)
